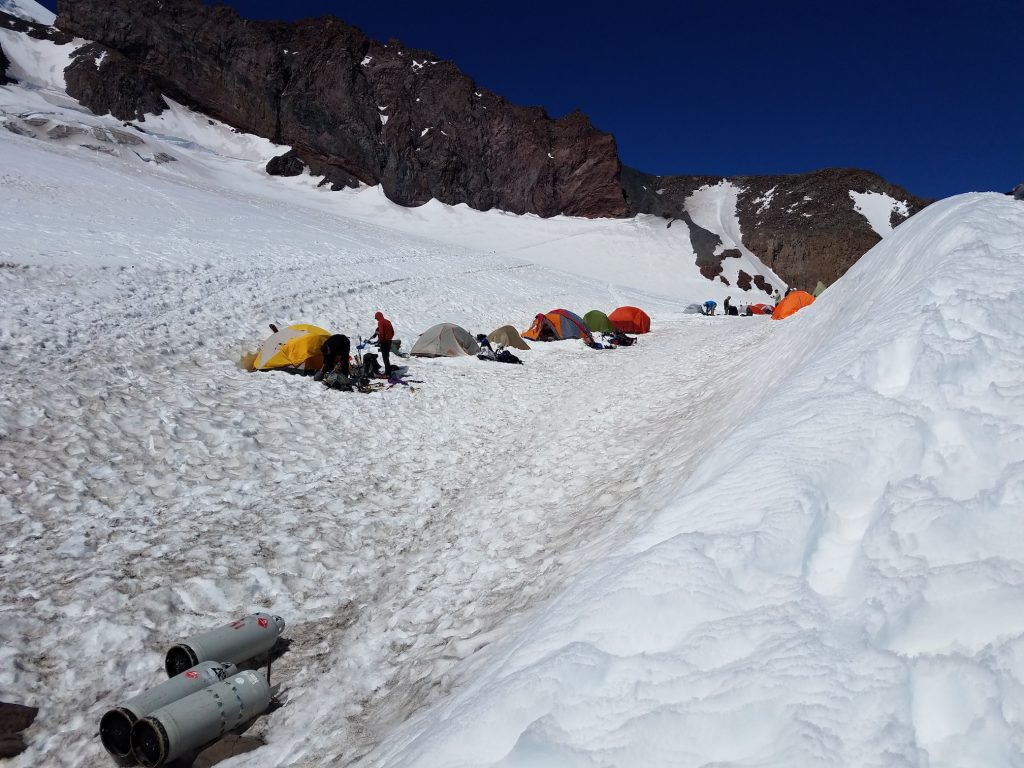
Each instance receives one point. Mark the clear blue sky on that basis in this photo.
(928, 93)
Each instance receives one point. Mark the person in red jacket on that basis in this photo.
(384, 334)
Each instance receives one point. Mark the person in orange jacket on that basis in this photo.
(384, 334)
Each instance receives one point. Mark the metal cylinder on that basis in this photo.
(116, 725)
(196, 720)
(236, 642)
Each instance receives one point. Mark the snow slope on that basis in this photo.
(37, 63)
(878, 208)
(739, 541)
(713, 207)
(838, 581)
(149, 488)
(28, 10)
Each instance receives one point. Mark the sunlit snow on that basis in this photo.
(38, 63)
(713, 207)
(28, 10)
(877, 208)
(740, 542)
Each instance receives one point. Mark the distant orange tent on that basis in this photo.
(630, 320)
(792, 304)
(760, 309)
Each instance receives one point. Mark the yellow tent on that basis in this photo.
(297, 346)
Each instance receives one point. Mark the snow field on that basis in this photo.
(166, 490)
(739, 542)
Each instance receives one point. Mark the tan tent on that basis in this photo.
(445, 340)
(507, 336)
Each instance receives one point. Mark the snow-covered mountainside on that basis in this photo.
(641, 252)
(807, 227)
(28, 10)
(738, 542)
(362, 111)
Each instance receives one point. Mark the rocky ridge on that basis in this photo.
(353, 109)
(802, 226)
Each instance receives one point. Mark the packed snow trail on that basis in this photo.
(151, 489)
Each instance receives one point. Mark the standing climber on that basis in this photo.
(384, 334)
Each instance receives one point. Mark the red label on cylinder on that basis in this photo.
(191, 674)
(262, 622)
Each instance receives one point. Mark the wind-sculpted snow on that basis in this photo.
(839, 581)
(149, 488)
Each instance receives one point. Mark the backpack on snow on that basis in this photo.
(504, 356)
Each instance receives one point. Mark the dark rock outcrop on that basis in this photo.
(14, 719)
(4, 64)
(34, 29)
(353, 109)
(804, 226)
(105, 81)
(287, 164)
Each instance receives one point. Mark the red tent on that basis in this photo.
(630, 320)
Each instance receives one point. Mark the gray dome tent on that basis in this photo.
(445, 340)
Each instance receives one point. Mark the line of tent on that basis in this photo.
(298, 346)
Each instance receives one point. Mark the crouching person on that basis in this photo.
(335, 352)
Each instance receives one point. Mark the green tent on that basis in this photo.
(597, 321)
(819, 289)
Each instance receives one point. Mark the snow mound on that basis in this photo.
(28, 10)
(877, 208)
(839, 581)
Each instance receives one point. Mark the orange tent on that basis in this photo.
(630, 320)
(761, 309)
(792, 304)
(558, 324)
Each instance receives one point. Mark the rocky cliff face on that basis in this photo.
(352, 108)
(804, 226)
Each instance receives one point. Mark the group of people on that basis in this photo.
(710, 307)
(337, 349)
